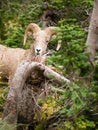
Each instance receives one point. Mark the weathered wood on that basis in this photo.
(92, 39)
(21, 104)
(50, 74)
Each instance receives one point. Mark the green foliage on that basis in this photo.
(2, 101)
(76, 99)
(14, 19)
(79, 124)
(72, 55)
(71, 3)
(78, 96)
(16, 37)
(4, 125)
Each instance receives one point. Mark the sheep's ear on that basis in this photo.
(32, 27)
(51, 30)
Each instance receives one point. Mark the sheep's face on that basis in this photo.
(41, 37)
(41, 40)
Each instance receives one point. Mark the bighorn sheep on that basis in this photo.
(10, 58)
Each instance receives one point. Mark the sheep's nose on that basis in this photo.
(38, 50)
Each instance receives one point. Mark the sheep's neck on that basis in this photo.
(28, 55)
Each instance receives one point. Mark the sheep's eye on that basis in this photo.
(47, 40)
(33, 38)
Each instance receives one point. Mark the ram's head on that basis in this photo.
(41, 37)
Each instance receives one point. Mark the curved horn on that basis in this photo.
(51, 30)
(31, 27)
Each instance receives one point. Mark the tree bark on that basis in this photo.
(92, 39)
(21, 104)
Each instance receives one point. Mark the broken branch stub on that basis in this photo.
(50, 74)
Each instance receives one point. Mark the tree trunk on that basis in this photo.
(27, 84)
(92, 39)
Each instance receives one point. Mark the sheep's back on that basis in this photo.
(9, 59)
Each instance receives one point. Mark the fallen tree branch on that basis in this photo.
(21, 104)
(50, 74)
